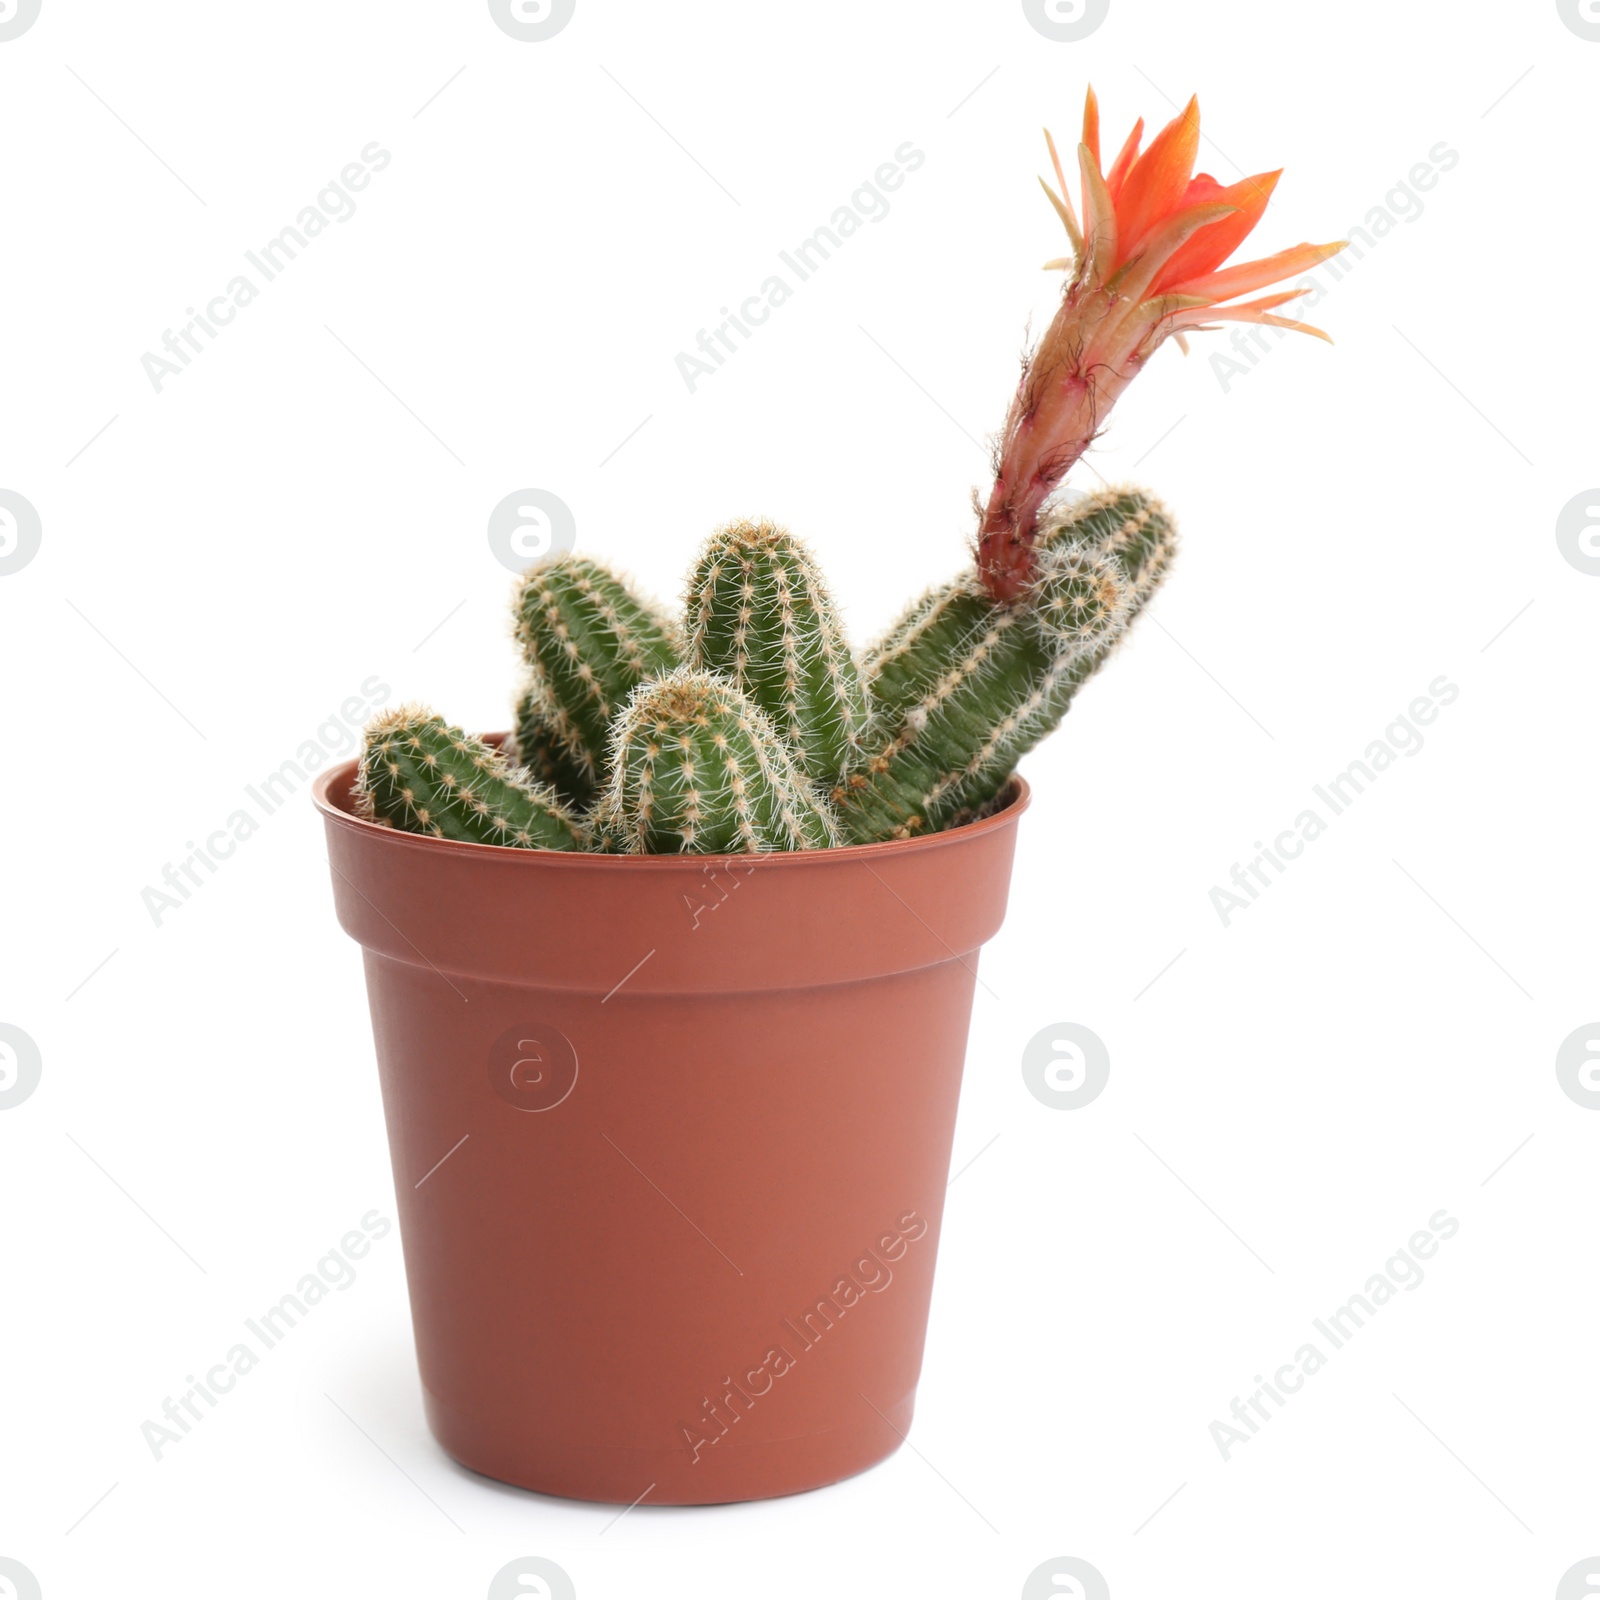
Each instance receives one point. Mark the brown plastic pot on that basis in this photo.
(670, 1137)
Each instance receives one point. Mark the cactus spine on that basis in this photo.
(963, 686)
(534, 745)
(421, 775)
(760, 613)
(697, 768)
(588, 641)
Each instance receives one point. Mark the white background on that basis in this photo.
(1290, 1099)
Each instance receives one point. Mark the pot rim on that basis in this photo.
(331, 787)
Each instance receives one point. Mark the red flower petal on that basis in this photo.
(1248, 275)
(1209, 248)
(1159, 178)
(1123, 165)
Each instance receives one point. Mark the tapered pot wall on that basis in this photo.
(670, 1139)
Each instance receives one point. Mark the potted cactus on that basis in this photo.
(671, 984)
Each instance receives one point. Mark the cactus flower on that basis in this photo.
(1147, 265)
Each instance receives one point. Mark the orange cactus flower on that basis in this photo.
(1147, 265)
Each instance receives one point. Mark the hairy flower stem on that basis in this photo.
(1053, 420)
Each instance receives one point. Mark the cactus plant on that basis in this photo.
(420, 774)
(962, 686)
(698, 768)
(588, 641)
(533, 744)
(760, 613)
(752, 727)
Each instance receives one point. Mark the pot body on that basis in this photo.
(670, 1139)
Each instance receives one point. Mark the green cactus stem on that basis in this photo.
(1130, 526)
(534, 745)
(963, 686)
(698, 768)
(588, 641)
(760, 613)
(421, 775)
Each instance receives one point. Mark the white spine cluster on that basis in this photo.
(696, 767)
(760, 612)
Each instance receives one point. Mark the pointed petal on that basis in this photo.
(1183, 342)
(1064, 211)
(1291, 325)
(1055, 161)
(1099, 220)
(1169, 238)
(1251, 311)
(1159, 177)
(1193, 311)
(1126, 157)
(1268, 302)
(1248, 275)
(1091, 124)
(1207, 252)
(1063, 201)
